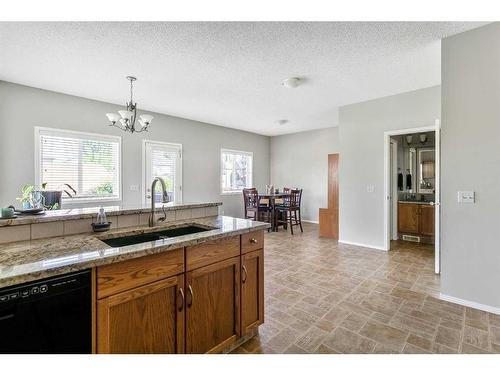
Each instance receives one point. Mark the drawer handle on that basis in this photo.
(243, 280)
(253, 240)
(191, 296)
(181, 294)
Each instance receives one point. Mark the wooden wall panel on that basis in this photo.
(329, 217)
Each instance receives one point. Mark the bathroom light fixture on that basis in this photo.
(291, 83)
(423, 138)
(125, 119)
(409, 139)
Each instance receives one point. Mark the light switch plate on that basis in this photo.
(370, 188)
(466, 197)
(134, 187)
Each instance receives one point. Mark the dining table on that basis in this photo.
(272, 203)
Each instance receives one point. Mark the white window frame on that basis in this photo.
(95, 136)
(178, 171)
(227, 150)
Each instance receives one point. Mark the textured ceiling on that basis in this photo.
(229, 74)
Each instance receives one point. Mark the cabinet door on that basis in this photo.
(408, 218)
(252, 290)
(212, 306)
(147, 319)
(427, 220)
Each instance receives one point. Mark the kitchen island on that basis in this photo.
(190, 293)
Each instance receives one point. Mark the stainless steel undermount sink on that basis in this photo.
(154, 236)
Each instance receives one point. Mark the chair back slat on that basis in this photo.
(251, 198)
(295, 198)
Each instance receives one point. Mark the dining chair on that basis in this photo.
(253, 209)
(289, 211)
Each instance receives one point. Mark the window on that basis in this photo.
(236, 171)
(162, 160)
(85, 165)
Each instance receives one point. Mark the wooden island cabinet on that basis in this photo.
(197, 299)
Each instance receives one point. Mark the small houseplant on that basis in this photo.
(24, 199)
(52, 198)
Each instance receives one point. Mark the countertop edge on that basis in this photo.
(87, 264)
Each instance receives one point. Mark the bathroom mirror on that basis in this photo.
(426, 170)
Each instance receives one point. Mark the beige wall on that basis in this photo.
(470, 154)
(301, 160)
(22, 108)
(361, 133)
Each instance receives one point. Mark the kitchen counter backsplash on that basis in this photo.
(78, 220)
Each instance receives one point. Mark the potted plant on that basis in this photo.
(52, 198)
(25, 198)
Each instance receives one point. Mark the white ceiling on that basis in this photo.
(229, 74)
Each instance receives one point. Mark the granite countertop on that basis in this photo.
(25, 261)
(415, 202)
(91, 212)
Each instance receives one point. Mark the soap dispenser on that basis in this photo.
(102, 224)
(101, 216)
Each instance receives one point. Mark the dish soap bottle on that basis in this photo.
(101, 216)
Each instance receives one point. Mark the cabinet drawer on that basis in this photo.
(211, 252)
(121, 276)
(252, 241)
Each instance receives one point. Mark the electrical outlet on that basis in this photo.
(466, 197)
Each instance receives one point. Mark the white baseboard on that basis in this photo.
(362, 245)
(475, 305)
(310, 221)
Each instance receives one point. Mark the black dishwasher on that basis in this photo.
(47, 316)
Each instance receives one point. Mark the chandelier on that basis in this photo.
(125, 119)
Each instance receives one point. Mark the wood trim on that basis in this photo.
(211, 252)
(252, 241)
(333, 181)
(328, 223)
(121, 276)
(329, 217)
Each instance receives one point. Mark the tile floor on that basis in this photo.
(324, 297)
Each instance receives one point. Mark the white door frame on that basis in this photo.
(146, 184)
(387, 186)
(394, 189)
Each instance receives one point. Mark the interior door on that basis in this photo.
(147, 319)
(162, 160)
(212, 306)
(394, 189)
(437, 200)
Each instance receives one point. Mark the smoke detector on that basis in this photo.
(291, 83)
(282, 122)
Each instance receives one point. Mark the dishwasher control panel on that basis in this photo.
(24, 293)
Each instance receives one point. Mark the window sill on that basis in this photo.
(73, 201)
(232, 193)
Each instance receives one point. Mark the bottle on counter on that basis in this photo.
(101, 216)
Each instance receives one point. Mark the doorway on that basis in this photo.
(161, 159)
(412, 191)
